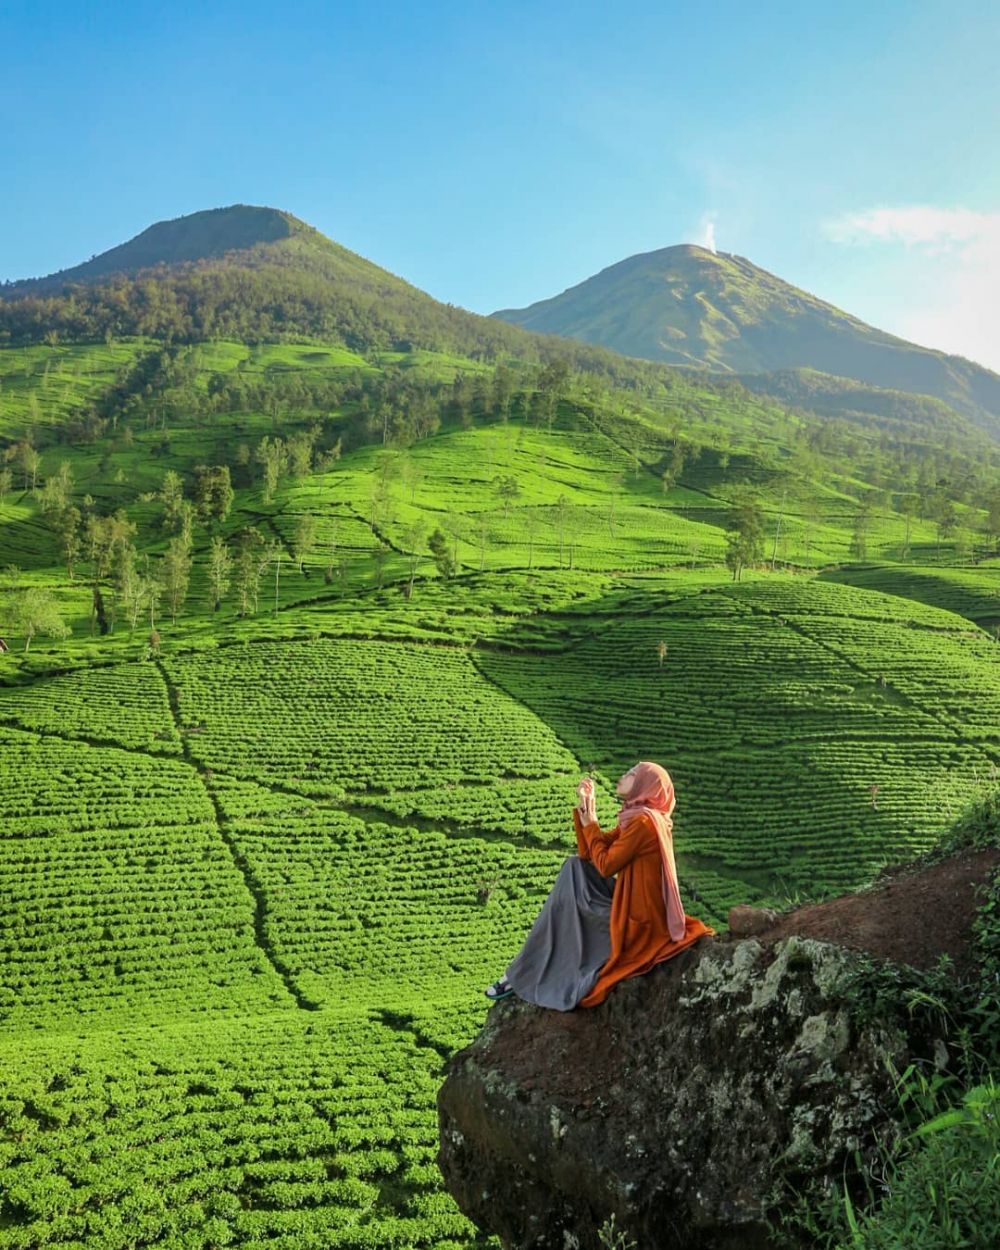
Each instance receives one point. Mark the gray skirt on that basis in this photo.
(570, 940)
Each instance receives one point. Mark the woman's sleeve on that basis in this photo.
(582, 846)
(610, 852)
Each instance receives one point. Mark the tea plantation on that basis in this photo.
(258, 865)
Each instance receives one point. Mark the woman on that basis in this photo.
(594, 931)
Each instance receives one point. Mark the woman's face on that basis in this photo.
(625, 783)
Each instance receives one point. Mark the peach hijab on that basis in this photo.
(653, 791)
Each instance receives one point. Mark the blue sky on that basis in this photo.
(495, 154)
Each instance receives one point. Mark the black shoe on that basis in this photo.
(499, 989)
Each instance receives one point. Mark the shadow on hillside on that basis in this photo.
(774, 741)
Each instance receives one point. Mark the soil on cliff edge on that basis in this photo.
(911, 916)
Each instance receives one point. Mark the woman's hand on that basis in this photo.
(587, 804)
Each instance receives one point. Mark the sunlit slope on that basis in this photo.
(973, 592)
(256, 885)
(246, 235)
(49, 385)
(590, 493)
(306, 863)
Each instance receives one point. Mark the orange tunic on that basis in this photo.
(639, 935)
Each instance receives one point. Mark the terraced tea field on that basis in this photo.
(255, 892)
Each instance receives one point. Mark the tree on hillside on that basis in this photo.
(675, 465)
(388, 467)
(503, 390)
(103, 538)
(572, 522)
(245, 462)
(29, 460)
(326, 459)
(562, 516)
(300, 451)
(331, 552)
(35, 611)
(250, 563)
(482, 396)
(187, 515)
(58, 488)
(272, 456)
(811, 519)
(745, 536)
(537, 406)
(991, 526)
(130, 586)
(437, 544)
(456, 531)
(908, 510)
(530, 522)
(6, 483)
(378, 498)
(220, 564)
(553, 377)
(411, 475)
(171, 494)
(414, 537)
(381, 552)
(70, 538)
(460, 400)
(859, 536)
(175, 574)
(152, 592)
(508, 490)
(304, 537)
(213, 491)
(947, 522)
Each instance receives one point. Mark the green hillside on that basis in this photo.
(688, 306)
(310, 640)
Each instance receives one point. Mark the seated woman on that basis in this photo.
(615, 910)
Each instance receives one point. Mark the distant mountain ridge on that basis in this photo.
(254, 273)
(690, 307)
(258, 274)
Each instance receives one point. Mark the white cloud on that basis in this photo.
(960, 312)
(706, 231)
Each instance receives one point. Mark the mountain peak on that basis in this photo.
(691, 307)
(205, 235)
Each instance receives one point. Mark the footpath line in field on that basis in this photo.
(253, 886)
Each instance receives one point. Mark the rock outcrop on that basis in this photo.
(690, 1105)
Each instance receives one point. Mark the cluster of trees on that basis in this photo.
(30, 610)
